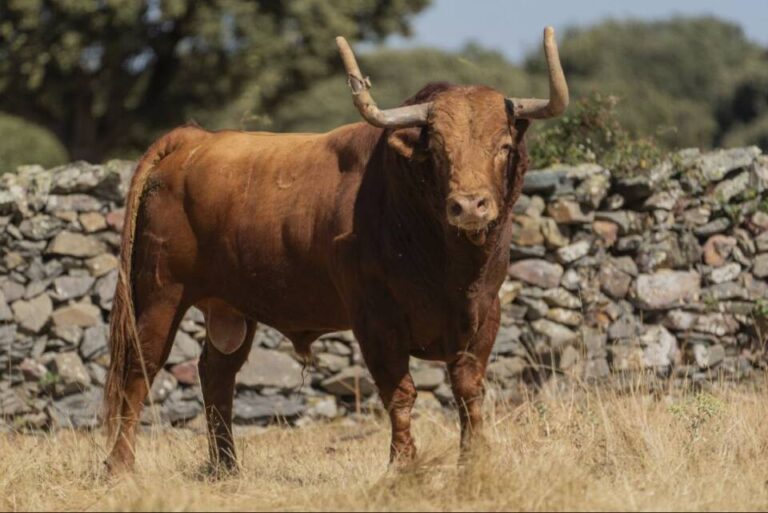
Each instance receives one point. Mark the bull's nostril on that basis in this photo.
(455, 209)
(482, 205)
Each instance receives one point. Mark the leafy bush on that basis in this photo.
(22, 142)
(591, 132)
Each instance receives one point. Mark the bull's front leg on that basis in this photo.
(398, 394)
(467, 373)
(387, 360)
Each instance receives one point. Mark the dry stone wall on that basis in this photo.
(663, 272)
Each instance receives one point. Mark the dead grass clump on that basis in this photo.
(585, 450)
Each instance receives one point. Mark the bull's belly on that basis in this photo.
(288, 298)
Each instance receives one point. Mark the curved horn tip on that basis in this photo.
(549, 31)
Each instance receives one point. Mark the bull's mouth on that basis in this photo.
(477, 237)
(477, 234)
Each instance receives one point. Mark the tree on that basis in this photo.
(397, 75)
(105, 74)
(671, 75)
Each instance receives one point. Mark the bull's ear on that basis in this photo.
(409, 142)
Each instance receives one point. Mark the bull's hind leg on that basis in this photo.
(158, 316)
(227, 346)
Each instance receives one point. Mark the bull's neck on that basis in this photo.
(415, 207)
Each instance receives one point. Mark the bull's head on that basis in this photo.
(468, 132)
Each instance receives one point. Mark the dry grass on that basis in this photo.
(585, 451)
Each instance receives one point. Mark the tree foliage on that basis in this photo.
(108, 76)
(675, 78)
(396, 75)
(101, 74)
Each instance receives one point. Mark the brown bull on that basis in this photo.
(398, 228)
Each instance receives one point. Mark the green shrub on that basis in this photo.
(591, 132)
(22, 142)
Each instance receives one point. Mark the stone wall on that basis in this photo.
(662, 272)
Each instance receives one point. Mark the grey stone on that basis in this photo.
(716, 165)
(725, 273)
(659, 347)
(70, 334)
(162, 386)
(562, 298)
(565, 316)
(505, 369)
(331, 362)
(74, 244)
(14, 402)
(266, 368)
(71, 287)
(565, 211)
(722, 291)
(717, 324)
(536, 308)
(105, 289)
(323, 407)
(71, 372)
(251, 408)
(627, 221)
(80, 410)
(6, 314)
(12, 290)
(760, 268)
(71, 203)
(596, 369)
(546, 181)
(184, 349)
(94, 342)
(666, 289)
(629, 243)
(343, 383)
(557, 334)
(537, 272)
(34, 314)
(178, 409)
(625, 327)
(680, 320)
(626, 357)
(82, 177)
(593, 341)
(428, 377)
(40, 227)
(613, 281)
(718, 225)
(101, 264)
(77, 314)
(574, 251)
(728, 189)
(708, 356)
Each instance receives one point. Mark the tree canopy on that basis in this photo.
(103, 74)
(107, 77)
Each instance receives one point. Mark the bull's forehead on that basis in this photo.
(468, 119)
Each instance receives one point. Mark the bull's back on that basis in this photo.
(263, 210)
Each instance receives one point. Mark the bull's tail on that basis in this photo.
(124, 343)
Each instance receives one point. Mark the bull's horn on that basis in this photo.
(535, 108)
(400, 117)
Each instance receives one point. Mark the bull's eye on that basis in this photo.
(505, 148)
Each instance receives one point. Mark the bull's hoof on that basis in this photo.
(116, 466)
(219, 470)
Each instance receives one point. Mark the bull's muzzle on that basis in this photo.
(471, 212)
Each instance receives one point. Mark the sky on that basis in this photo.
(514, 27)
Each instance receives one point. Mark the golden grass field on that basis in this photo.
(583, 450)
